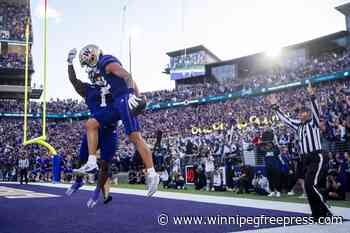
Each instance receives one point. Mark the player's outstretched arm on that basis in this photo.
(119, 71)
(77, 84)
(137, 103)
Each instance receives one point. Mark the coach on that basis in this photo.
(314, 161)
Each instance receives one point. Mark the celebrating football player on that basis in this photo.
(127, 103)
(100, 104)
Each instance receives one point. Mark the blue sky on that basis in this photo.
(229, 28)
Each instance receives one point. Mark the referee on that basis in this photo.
(308, 134)
(23, 165)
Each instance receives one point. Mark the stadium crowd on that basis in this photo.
(327, 63)
(53, 106)
(207, 136)
(12, 20)
(190, 137)
(290, 71)
(13, 61)
(12, 27)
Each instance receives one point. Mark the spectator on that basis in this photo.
(244, 180)
(209, 171)
(335, 190)
(272, 163)
(180, 146)
(164, 177)
(261, 184)
(199, 178)
(218, 181)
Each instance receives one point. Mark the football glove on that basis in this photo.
(137, 105)
(71, 55)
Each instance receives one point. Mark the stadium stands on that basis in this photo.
(12, 18)
(224, 129)
(177, 127)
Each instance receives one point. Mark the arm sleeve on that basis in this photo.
(292, 123)
(315, 111)
(108, 59)
(105, 60)
(78, 85)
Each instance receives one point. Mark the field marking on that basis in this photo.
(15, 193)
(233, 201)
(244, 202)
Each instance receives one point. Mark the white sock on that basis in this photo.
(91, 159)
(151, 171)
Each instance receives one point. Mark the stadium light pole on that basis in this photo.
(132, 34)
(183, 24)
(123, 23)
(130, 70)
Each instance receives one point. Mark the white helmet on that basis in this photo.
(89, 55)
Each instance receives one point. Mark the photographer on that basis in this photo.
(199, 177)
(261, 184)
(335, 190)
(244, 179)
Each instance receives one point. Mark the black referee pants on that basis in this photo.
(315, 165)
(23, 174)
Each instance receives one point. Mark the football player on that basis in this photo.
(100, 103)
(127, 103)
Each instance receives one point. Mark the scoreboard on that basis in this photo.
(190, 62)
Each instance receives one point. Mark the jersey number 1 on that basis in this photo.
(104, 92)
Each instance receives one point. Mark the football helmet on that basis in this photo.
(89, 55)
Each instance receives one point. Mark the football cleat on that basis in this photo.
(91, 203)
(86, 168)
(107, 200)
(291, 193)
(152, 182)
(94, 199)
(75, 187)
(272, 194)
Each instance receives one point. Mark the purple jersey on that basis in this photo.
(97, 97)
(118, 86)
(100, 103)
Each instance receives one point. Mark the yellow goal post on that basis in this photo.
(42, 139)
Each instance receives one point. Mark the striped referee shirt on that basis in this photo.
(23, 163)
(309, 139)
